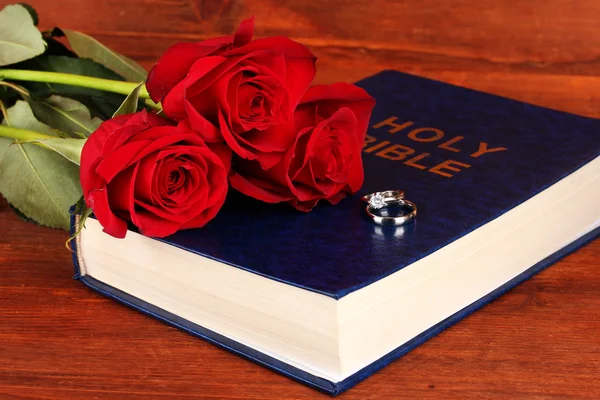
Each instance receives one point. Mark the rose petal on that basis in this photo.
(306, 193)
(120, 159)
(176, 62)
(266, 62)
(205, 72)
(253, 188)
(205, 129)
(173, 103)
(300, 62)
(154, 133)
(151, 225)
(305, 206)
(224, 153)
(168, 141)
(118, 191)
(269, 160)
(209, 164)
(215, 173)
(337, 197)
(332, 97)
(149, 141)
(206, 216)
(142, 190)
(232, 98)
(356, 173)
(244, 33)
(90, 180)
(276, 138)
(176, 214)
(114, 226)
(92, 150)
(193, 183)
(232, 140)
(214, 97)
(135, 123)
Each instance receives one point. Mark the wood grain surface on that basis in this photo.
(59, 340)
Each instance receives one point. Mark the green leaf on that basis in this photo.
(101, 104)
(21, 215)
(69, 148)
(19, 38)
(88, 47)
(84, 212)
(66, 115)
(21, 116)
(8, 96)
(130, 105)
(55, 47)
(42, 184)
(32, 12)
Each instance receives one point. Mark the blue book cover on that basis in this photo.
(464, 157)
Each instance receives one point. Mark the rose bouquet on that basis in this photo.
(160, 151)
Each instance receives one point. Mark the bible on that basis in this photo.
(503, 188)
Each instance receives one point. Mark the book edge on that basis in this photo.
(465, 312)
(297, 374)
(194, 329)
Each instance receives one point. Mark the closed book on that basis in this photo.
(503, 189)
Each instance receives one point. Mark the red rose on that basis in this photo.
(163, 178)
(325, 160)
(235, 89)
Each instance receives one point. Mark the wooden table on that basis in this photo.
(59, 340)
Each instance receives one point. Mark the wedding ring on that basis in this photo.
(380, 200)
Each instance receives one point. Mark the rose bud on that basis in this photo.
(235, 90)
(324, 163)
(162, 178)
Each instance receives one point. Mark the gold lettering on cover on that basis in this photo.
(448, 165)
(368, 140)
(446, 144)
(415, 158)
(413, 161)
(395, 127)
(377, 146)
(415, 134)
(393, 153)
(483, 149)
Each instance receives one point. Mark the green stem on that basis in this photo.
(77, 80)
(152, 105)
(22, 134)
(4, 113)
(16, 88)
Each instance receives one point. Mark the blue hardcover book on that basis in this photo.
(503, 188)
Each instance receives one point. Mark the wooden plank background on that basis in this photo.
(550, 47)
(541, 341)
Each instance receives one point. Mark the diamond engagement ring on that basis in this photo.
(379, 200)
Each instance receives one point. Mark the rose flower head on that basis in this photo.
(324, 162)
(161, 177)
(235, 89)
